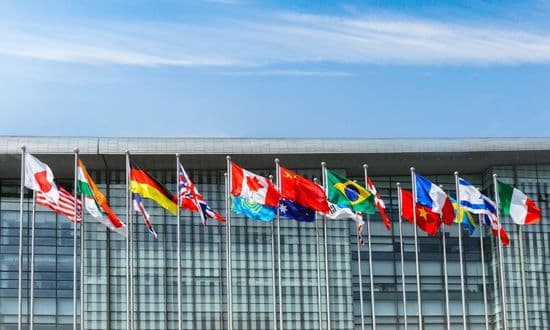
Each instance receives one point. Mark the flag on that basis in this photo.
(138, 207)
(346, 193)
(344, 213)
(252, 210)
(192, 200)
(464, 217)
(433, 197)
(517, 205)
(39, 177)
(426, 219)
(95, 202)
(253, 187)
(471, 199)
(64, 205)
(380, 205)
(148, 187)
(302, 191)
(291, 210)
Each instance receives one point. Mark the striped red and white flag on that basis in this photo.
(64, 206)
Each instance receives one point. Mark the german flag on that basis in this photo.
(148, 187)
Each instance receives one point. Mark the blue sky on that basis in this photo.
(245, 68)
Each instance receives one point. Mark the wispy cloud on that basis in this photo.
(279, 39)
(289, 73)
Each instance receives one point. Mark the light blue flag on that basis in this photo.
(252, 210)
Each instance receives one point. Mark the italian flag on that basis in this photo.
(517, 205)
(96, 203)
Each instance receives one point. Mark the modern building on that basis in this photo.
(524, 162)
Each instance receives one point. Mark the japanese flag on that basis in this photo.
(39, 177)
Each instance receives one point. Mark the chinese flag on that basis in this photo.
(426, 219)
(303, 191)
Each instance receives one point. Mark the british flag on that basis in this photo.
(192, 200)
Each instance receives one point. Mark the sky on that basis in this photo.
(251, 68)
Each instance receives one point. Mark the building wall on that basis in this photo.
(204, 265)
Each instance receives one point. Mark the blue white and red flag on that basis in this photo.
(190, 198)
(434, 198)
(138, 207)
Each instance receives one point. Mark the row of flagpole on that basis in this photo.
(130, 258)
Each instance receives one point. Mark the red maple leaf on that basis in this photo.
(253, 183)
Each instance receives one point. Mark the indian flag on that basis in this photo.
(96, 203)
(517, 205)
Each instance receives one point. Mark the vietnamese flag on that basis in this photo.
(426, 219)
(303, 191)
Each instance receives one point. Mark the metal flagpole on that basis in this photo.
(372, 303)
(20, 257)
(522, 269)
(483, 272)
(178, 240)
(500, 256)
(447, 308)
(278, 178)
(522, 272)
(360, 282)
(462, 289)
(403, 284)
(273, 276)
(418, 292)
(324, 171)
(128, 305)
(74, 234)
(319, 311)
(82, 263)
(31, 304)
(229, 262)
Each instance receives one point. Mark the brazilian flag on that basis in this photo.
(346, 193)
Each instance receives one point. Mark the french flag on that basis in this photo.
(433, 197)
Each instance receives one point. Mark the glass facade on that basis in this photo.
(204, 270)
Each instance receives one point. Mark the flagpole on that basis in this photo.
(273, 276)
(483, 272)
(229, 262)
(501, 255)
(31, 304)
(74, 234)
(373, 307)
(360, 282)
(324, 172)
(128, 306)
(447, 308)
(522, 268)
(319, 302)
(178, 240)
(418, 292)
(278, 178)
(459, 227)
(81, 262)
(403, 284)
(20, 257)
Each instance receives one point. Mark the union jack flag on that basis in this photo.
(192, 200)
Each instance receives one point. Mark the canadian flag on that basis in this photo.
(253, 187)
(39, 177)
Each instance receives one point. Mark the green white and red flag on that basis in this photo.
(517, 205)
(96, 203)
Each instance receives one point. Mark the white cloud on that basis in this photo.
(278, 39)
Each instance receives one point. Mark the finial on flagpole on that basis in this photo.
(494, 175)
(398, 184)
(225, 174)
(456, 173)
(127, 151)
(323, 164)
(365, 166)
(75, 150)
(228, 157)
(315, 180)
(23, 147)
(412, 169)
(276, 160)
